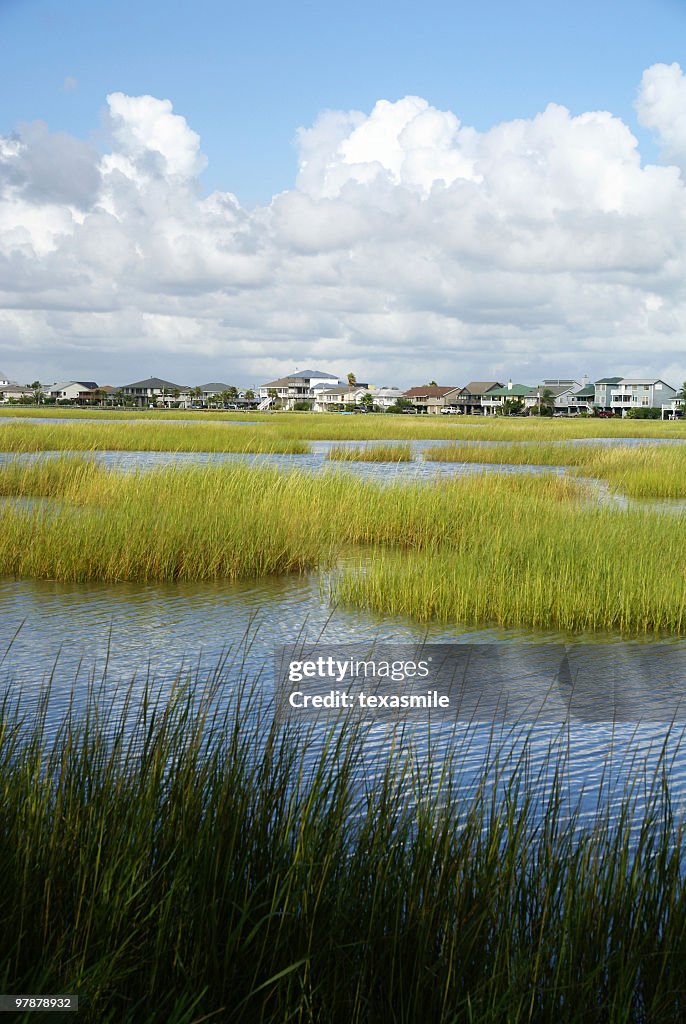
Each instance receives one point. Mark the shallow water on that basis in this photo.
(69, 635)
(73, 635)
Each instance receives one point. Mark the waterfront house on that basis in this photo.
(432, 398)
(474, 398)
(11, 392)
(335, 399)
(154, 391)
(641, 393)
(563, 393)
(72, 390)
(583, 400)
(300, 386)
(495, 399)
(604, 390)
(384, 398)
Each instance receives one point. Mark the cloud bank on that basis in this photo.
(410, 247)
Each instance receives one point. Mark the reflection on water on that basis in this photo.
(314, 461)
(70, 634)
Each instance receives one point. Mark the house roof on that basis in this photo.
(514, 391)
(587, 392)
(89, 385)
(307, 374)
(609, 380)
(342, 389)
(152, 383)
(429, 391)
(480, 387)
(561, 389)
(643, 380)
(216, 386)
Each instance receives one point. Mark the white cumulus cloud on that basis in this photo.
(410, 247)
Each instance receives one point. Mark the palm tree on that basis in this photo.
(546, 402)
(352, 380)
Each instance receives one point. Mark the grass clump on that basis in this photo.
(173, 863)
(511, 550)
(156, 436)
(195, 524)
(639, 471)
(371, 453)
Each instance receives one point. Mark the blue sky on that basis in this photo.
(408, 191)
(247, 75)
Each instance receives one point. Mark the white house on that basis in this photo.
(302, 385)
(563, 392)
(11, 392)
(71, 390)
(334, 399)
(384, 398)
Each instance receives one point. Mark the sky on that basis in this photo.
(446, 191)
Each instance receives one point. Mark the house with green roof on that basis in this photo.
(496, 398)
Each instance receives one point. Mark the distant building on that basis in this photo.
(641, 393)
(71, 390)
(432, 398)
(155, 391)
(11, 392)
(474, 398)
(302, 385)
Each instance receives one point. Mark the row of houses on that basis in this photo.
(325, 392)
(143, 393)
(609, 395)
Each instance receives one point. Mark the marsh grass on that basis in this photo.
(173, 863)
(522, 453)
(371, 453)
(639, 471)
(331, 427)
(513, 551)
(191, 524)
(154, 436)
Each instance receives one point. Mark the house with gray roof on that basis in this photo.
(154, 391)
(563, 393)
(299, 386)
(474, 398)
(641, 393)
(12, 392)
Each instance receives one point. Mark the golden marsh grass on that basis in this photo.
(515, 551)
(371, 453)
